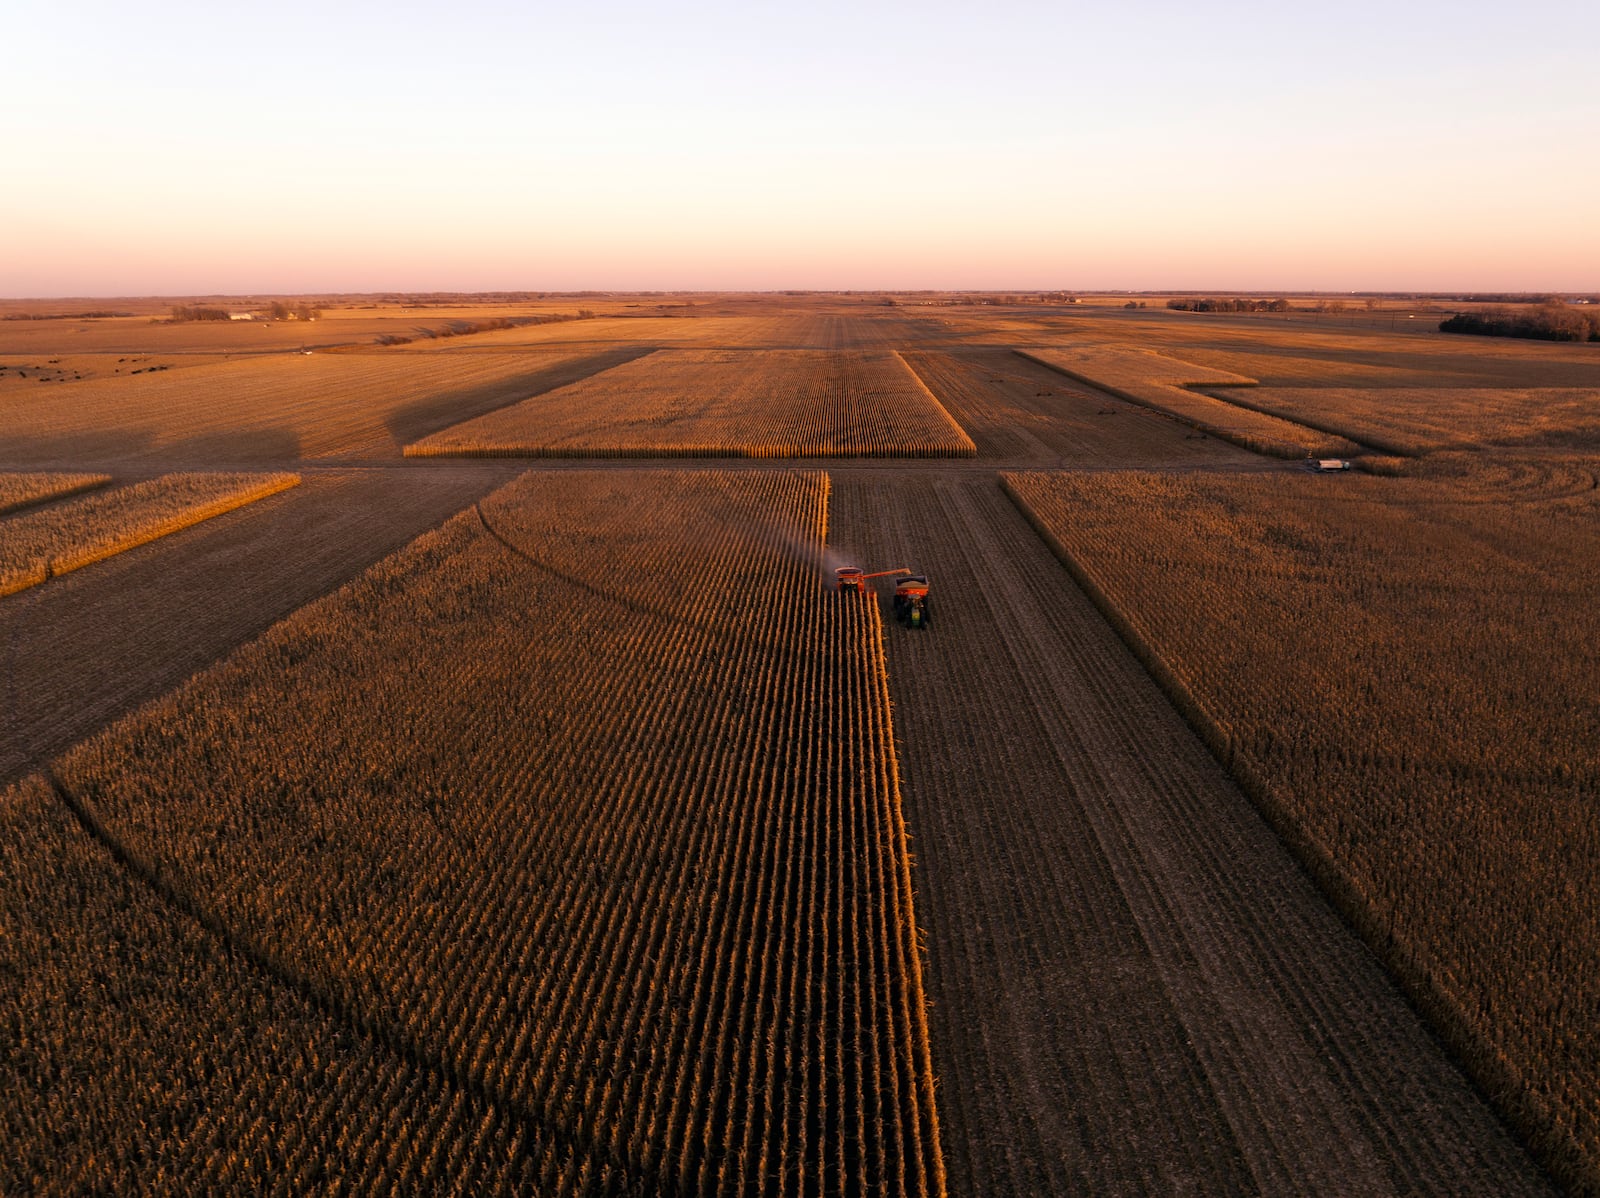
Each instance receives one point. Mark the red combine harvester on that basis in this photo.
(910, 593)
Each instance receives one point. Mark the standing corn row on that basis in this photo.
(603, 832)
(148, 1056)
(38, 545)
(22, 489)
(1142, 377)
(1401, 673)
(722, 403)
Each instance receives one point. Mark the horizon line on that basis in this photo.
(603, 292)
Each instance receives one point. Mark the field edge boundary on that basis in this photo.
(1473, 1052)
(926, 1097)
(587, 367)
(1263, 446)
(54, 565)
(691, 452)
(970, 450)
(90, 482)
(1376, 445)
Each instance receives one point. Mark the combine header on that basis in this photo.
(910, 592)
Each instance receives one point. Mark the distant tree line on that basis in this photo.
(277, 310)
(300, 310)
(1548, 322)
(465, 328)
(1228, 305)
(1502, 297)
(95, 315)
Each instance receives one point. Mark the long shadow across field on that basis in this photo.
(82, 649)
(434, 412)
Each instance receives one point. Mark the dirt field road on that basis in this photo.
(1134, 988)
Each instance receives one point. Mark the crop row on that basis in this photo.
(27, 488)
(1019, 411)
(39, 545)
(588, 800)
(1147, 378)
(142, 1053)
(1401, 673)
(722, 403)
(1415, 420)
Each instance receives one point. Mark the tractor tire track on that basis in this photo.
(1133, 986)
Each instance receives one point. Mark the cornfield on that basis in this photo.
(1402, 673)
(39, 545)
(156, 1054)
(1416, 420)
(1163, 383)
(24, 489)
(586, 803)
(722, 403)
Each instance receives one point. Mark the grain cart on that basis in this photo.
(911, 601)
(852, 580)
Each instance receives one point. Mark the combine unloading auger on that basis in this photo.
(854, 578)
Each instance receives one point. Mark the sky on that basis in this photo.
(304, 148)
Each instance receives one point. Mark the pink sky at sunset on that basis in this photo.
(182, 149)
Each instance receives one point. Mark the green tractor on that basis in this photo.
(911, 601)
